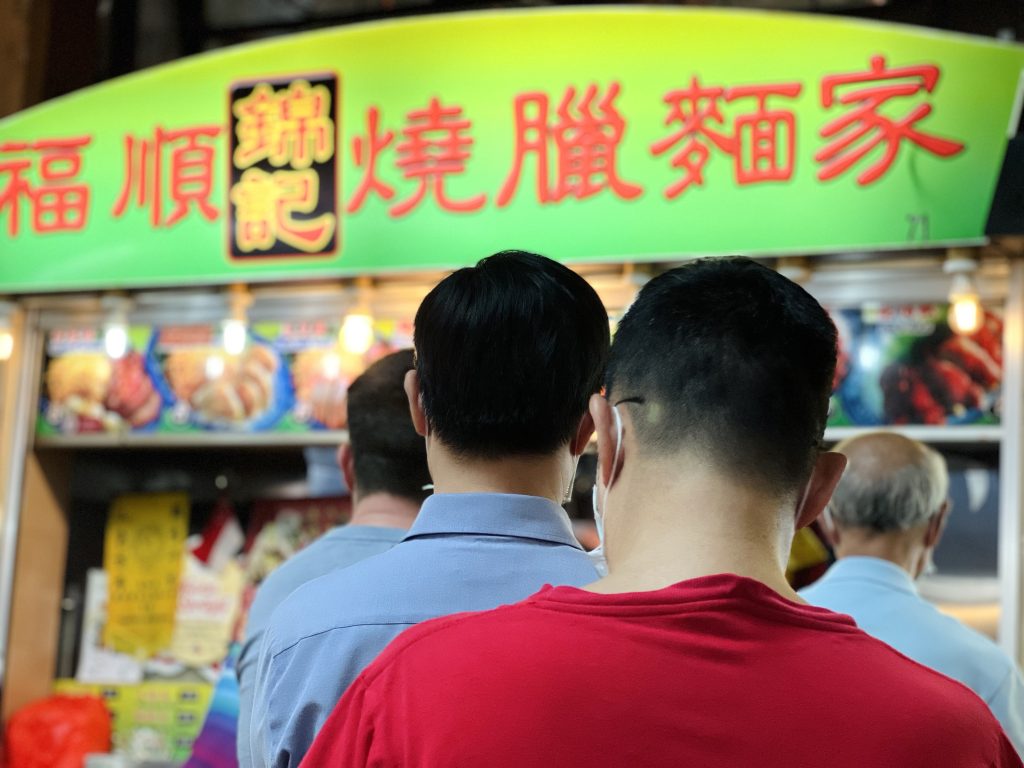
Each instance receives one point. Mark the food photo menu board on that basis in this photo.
(905, 366)
(290, 377)
(898, 365)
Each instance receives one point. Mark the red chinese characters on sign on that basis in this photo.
(569, 145)
(761, 141)
(57, 202)
(365, 152)
(585, 136)
(436, 145)
(189, 183)
(864, 127)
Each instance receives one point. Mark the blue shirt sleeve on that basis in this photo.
(246, 671)
(297, 687)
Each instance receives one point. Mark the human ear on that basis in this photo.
(347, 463)
(608, 439)
(936, 526)
(828, 470)
(584, 432)
(412, 392)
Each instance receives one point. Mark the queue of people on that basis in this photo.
(484, 635)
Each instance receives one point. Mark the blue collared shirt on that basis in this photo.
(338, 548)
(465, 552)
(882, 599)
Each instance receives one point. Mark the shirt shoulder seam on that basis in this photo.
(291, 646)
(990, 698)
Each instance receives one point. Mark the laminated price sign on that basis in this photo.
(145, 540)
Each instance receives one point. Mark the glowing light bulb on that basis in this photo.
(357, 334)
(965, 312)
(6, 344)
(115, 340)
(965, 315)
(234, 336)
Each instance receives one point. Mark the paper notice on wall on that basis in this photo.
(142, 556)
(208, 602)
(97, 664)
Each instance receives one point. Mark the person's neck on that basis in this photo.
(544, 476)
(674, 521)
(896, 548)
(384, 510)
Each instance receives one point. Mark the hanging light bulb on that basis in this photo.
(115, 329)
(6, 335)
(234, 336)
(357, 334)
(115, 341)
(965, 311)
(234, 333)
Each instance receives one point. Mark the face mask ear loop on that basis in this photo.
(567, 497)
(615, 458)
(803, 498)
(600, 564)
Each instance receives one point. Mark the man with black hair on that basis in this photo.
(384, 465)
(508, 354)
(693, 651)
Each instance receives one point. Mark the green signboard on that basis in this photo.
(597, 134)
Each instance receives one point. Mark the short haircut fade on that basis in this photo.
(388, 455)
(733, 361)
(508, 353)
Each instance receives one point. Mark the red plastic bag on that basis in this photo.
(58, 732)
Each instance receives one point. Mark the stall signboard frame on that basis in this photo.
(587, 134)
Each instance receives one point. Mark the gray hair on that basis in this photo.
(882, 495)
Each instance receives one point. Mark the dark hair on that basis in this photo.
(732, 360)
(508, 353)
(389, 456)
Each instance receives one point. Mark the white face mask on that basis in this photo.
(572, 482)
(600, 510)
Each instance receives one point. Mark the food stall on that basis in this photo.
(198, 258)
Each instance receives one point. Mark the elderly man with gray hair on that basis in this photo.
(885, 519)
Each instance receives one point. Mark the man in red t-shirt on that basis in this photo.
(693, 651)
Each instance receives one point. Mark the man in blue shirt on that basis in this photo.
(385, 467)
(508, 354)
(884, 520)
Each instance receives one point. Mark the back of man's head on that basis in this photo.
(892, 484)
(388, 455)
(508, 352)
(732, 362)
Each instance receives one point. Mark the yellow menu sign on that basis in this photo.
(142, 555)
